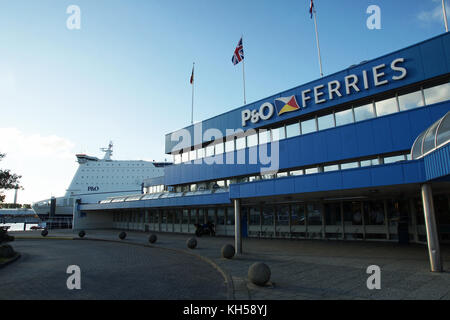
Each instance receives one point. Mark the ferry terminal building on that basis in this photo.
(362, 154)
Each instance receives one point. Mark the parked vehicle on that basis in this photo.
(205, 229)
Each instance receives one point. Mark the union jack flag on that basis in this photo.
(311, 8)
(238, 55)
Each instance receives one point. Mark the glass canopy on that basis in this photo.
(436, 136)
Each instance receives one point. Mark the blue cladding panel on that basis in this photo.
(437, 163)
(406, 172)
(423, 61)
(391, 133)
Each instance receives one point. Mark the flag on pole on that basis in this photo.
(192, 75)
(238, 55)
(311, 8)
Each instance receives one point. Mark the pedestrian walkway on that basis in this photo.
(305, 269)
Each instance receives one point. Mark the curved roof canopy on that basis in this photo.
(436, 136)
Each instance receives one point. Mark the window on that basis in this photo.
(314, 214)
(267, 216)
(410, 101)
(296, 173)
(292, 130)
(387, 106)
(193, 154)
(201, 153)
(437, 94)
(352, 213)
(311, 170)
(332, 213)
(368, 163)
(240, 143)
(176, 159)
(364, 112)
(349, 165)
(282, 215)
(219, 148)
(334, 167)
(255, 217)
(230, 216)
(209, 151)
(278, 134)
(185, 156)
(344, 117)
(298, 215)
(394, 159)
(326, 122)
(309, 126)
(221, 216)
(264, 136)
(252, 140)
(229, 146)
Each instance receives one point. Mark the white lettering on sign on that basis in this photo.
(351, 84)
(265, 112)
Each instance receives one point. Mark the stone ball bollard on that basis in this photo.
(152, 238)
(81, 234)
(259, 273)
(44, 233)
(122, 235)
(6, 251)
(228, 251)
(191, 243)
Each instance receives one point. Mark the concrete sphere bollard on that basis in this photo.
(44, 232)
(6, 251)
(152, 238)
(191, 243)
(122, 235)
(259, 273)
(228, 251)
(81, 234)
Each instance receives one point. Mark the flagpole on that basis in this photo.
(243, 69)
(445, 15)
(317, 40)
(243, 76)
(193, 83)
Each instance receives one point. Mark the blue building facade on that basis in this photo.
(330, 159)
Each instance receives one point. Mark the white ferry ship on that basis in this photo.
(96, 179)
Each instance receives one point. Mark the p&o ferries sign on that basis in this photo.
(336, 89)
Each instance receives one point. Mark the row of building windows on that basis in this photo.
(155, 189)
(106, 183)
(303, 171)
(399, 102)
(118, 164)
(118, 170)
(342, 218)
(115, 177)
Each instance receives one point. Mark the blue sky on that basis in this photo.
(125, 75)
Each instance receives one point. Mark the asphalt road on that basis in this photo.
(108, 271)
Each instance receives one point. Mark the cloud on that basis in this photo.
(46, 163)
(34, 145)
(435, 14)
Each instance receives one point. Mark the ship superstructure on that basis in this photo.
(97, 179)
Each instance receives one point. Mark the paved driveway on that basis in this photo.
(108, 271)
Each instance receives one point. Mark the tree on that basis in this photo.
(8, 180)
